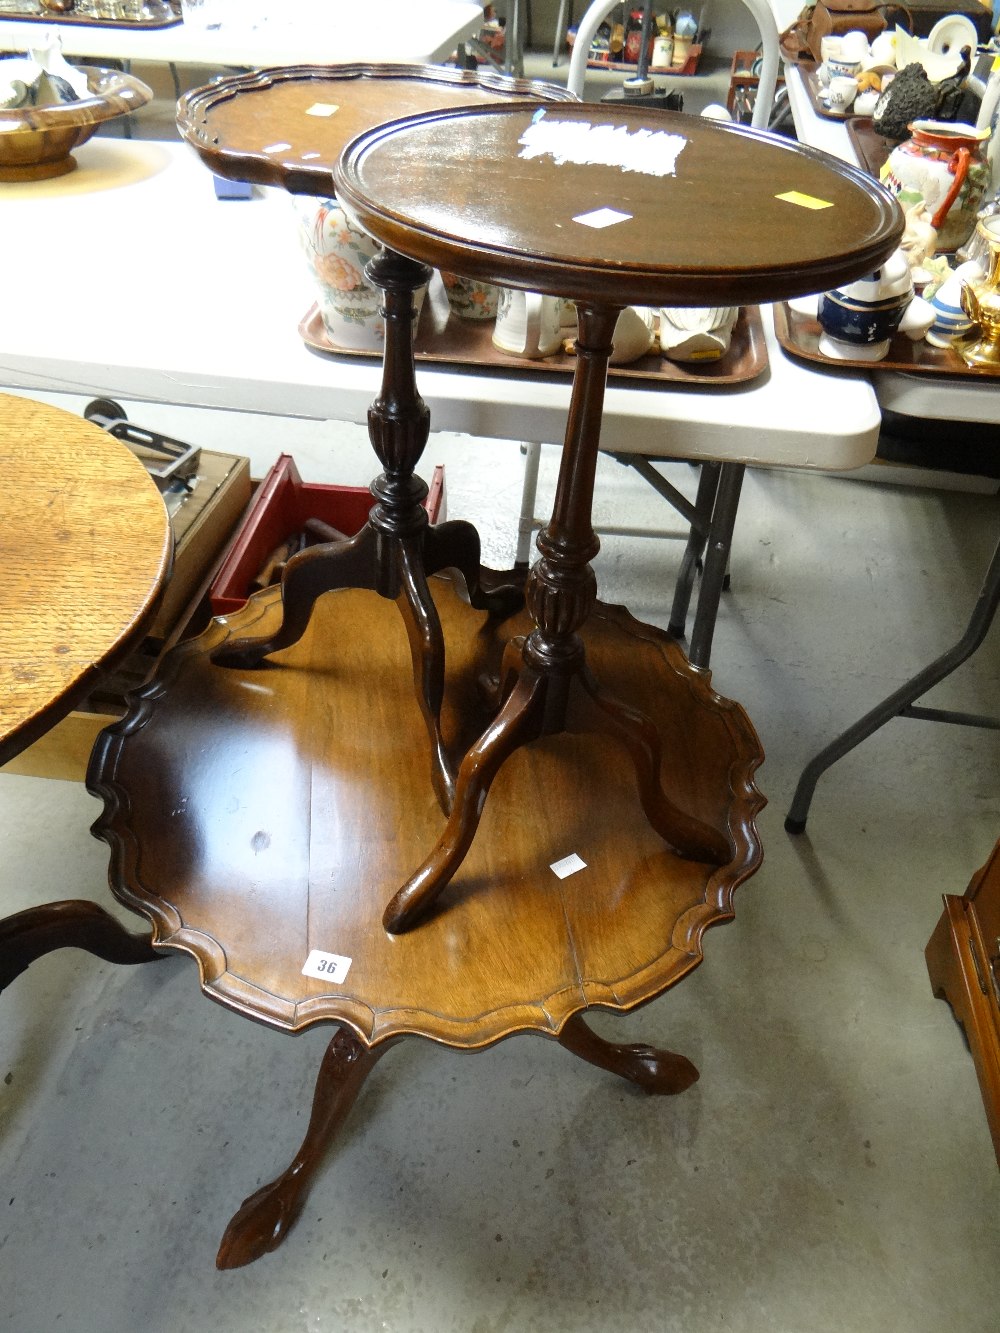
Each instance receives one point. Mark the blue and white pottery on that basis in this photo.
(951, 323)
(859, 319)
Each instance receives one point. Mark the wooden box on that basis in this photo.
(281, 505)
(202, 527)
(743, 84)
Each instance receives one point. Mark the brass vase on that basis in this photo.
(981, 300)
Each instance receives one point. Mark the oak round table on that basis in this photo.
(85, 548)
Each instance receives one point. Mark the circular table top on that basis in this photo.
(261, 820)
(84, 550)
(617, 204)
(288, 126)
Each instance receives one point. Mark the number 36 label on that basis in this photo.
(327, 966)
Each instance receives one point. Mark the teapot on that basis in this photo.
(859, 319)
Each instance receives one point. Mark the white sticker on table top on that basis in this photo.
(327, 966)
(322, 109)
(569, 865)
(650, 152)
(602, 217)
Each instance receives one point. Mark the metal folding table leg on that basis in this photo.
(713, 579)
(526, 519)
(563, 21)
(698, 534)
(900, 702)
(514, 37)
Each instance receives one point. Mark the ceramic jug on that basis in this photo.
(527, 324)
(952, 325)
(696, 333)
(981, 299)
(633, 335)
(944, 162)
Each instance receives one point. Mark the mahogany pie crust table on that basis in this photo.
(259, 819)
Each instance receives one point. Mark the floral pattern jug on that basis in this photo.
(945, 164)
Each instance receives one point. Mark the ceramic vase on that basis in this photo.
(337, 252)
(945, 163)
(469, 298)
(981, 300)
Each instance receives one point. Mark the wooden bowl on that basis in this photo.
(36, 142)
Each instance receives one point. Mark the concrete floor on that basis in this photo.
(832, 1171)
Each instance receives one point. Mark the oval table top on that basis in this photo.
(288, 126)
(85, 547)
(617, 204)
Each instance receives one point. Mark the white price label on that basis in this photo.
(327, 967)
(569, 865)
(602, 217)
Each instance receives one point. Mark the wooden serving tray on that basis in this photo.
(810, 77)
(872, 149)
(53, 18)
(800, 334)
(467, 342)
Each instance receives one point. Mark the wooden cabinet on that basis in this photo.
(963, 959)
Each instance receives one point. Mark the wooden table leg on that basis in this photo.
(265, 1218)
(396, 551)
(541, 672)
(71, 924)
(651, 1069)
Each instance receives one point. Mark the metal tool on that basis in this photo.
(167, 461)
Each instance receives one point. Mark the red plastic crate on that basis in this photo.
(280, 507)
